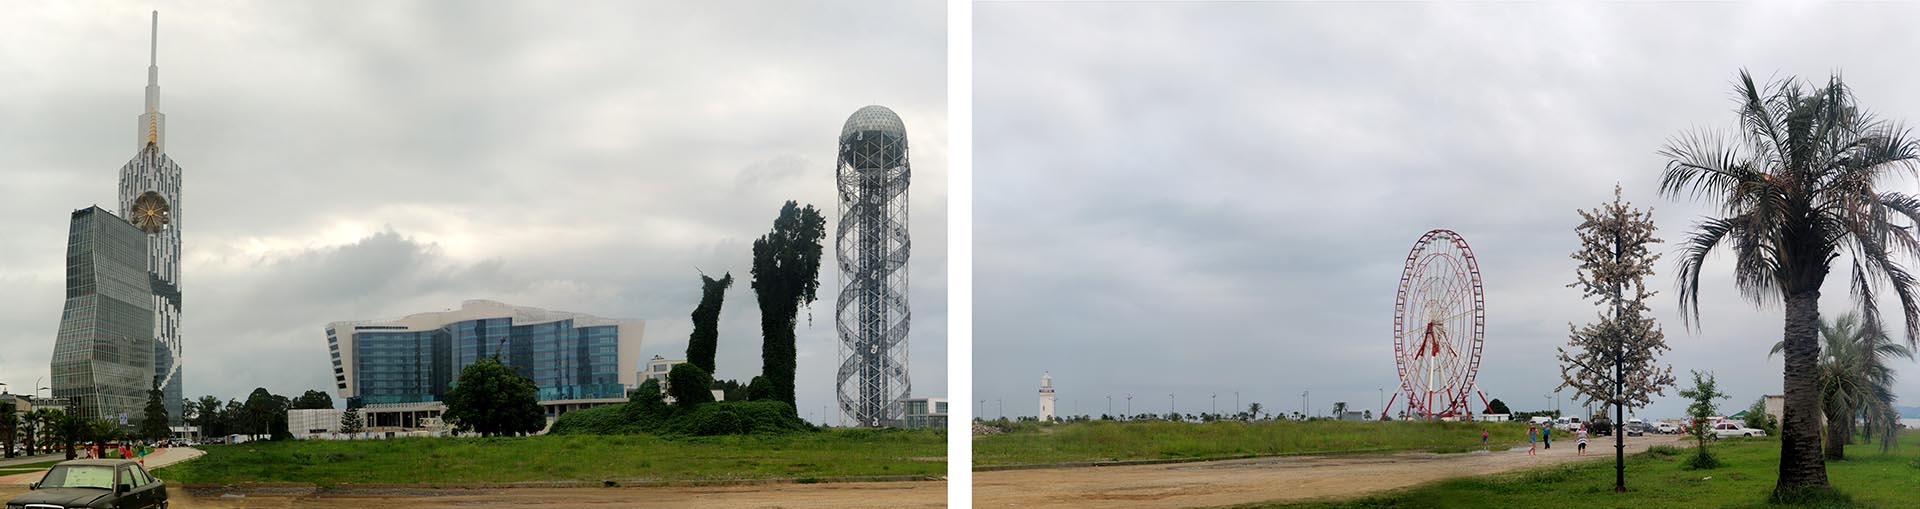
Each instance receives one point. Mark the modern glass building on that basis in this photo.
(103, 355)
(417, 359)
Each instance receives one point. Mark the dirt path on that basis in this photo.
(1261, 479)
(880, 494)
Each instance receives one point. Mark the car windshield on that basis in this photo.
(79, 476)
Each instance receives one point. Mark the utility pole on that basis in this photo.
(1109, 405)
(1129, 406)
(1216, 403)
(1170, 410)
(1303, 405)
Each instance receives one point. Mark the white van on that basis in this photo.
(1567, 423)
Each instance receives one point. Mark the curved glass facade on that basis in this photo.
(564, 360)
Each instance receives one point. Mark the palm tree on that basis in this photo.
(1855, 382)
(1797, 190)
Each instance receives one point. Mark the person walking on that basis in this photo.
(1546, 437)
(1532, 433)
(1483, 440)
(1581, 440)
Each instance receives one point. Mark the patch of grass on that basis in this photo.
(1660, 478)
(1030, 443)
(828, 453)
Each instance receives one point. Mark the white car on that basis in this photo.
(1729, 429)
(1666, 428)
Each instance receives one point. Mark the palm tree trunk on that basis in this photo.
(1837, 434)
(1801, 466)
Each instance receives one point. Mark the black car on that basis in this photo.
(94, 484)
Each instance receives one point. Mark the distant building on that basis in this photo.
(658, 368)
(103, 353)
(1777, 406)
(401, 370)
(1046, 396)
(925, 413)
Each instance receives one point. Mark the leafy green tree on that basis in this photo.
(260, 412)
(350, 419)
(1758, 418)
(705, 340)
(313, 400)
(759, 389)
(1854, 380)
(689, 386)
(153, 422)
(493, 399)
(210, 415)
(1799, 186)
(786, 275)
(1498, 407)
(1703, 393)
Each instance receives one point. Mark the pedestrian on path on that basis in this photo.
(1546, 437)
(1531, 435)
(1582, 436)
(1483, 440)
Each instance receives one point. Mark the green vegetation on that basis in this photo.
(153, 421)
(1660, 478)
(830, 453)
(493, 399)
(1703, 393)
(705, 340)
(1036, 443)
(786, 273)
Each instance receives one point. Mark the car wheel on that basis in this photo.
(1746, 434)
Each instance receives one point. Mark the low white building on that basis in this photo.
(657, 370)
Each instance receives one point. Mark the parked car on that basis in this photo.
(1635, 429)
(1734, 429)
(96, 484)
(1600, 427)
(1667, 428)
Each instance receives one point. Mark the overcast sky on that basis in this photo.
(1201, 199)
(376, 159)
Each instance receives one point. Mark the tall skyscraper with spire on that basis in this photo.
(150, 199)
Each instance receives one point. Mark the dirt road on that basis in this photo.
(1262, 479)
(878, 494)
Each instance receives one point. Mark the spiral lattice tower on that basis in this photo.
(872, 314)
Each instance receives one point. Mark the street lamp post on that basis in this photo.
(1170, 410)
(1304, 408)
(1109, 405)
(1216, 403)
(1129, 406)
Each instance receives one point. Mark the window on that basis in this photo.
(140, 477)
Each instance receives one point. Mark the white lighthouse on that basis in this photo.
(1046, 397)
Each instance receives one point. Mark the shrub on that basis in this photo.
(648, 401)
(605, 420)
(737, 418)
(689, 385)
(1702, 461)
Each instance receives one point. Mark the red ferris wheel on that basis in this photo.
(1439, 327)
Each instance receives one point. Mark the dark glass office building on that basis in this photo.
(418, 359)
(103, 355)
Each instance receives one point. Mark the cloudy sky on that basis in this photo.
(1202, 199)
(376, 159)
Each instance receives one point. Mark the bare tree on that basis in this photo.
(1612, 361)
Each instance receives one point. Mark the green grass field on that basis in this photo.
(800, 456)
(1033, 443)
(1659, 478)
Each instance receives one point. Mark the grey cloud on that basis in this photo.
(371, 159)
(1207, 198)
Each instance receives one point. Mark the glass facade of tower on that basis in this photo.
(103, 355)
(401, 366)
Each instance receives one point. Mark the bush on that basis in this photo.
(1702, 461)
(604, 420)
(737, 418)
(689, 385)
(648, 401)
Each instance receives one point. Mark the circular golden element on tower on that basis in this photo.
(151, 213)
